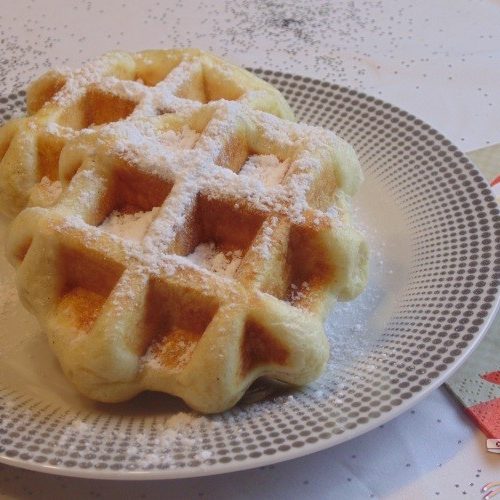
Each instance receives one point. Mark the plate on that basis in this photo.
(433, 228)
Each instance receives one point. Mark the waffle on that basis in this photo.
(192, 252)
(64, 104)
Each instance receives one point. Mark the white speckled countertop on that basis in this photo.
(440, 60)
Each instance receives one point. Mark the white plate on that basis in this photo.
(433, 227)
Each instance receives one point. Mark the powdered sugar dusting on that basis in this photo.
(129, 226)
(265, 243)
(113, 74)
(177, 350)
(265, 182)
(185, 139)
(178, 433)
(353, 327)
(78, 81)
(207, 255)
(267, 168)
(142, 141)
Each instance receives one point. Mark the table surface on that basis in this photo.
(438, 59)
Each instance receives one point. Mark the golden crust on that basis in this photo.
(246, 235)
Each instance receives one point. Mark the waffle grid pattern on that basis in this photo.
(127, 317)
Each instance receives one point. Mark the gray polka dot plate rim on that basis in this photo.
(434, 231)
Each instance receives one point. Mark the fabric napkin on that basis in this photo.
(477, 382)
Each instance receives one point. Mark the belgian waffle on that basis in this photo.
(192, 252)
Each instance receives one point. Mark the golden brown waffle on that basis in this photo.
(63, 105)
(192, 253)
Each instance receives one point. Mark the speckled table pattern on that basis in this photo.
(439, 60)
